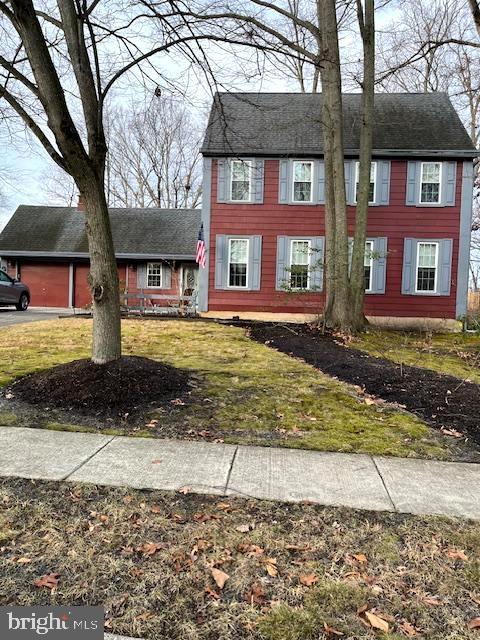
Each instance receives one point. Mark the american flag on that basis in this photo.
(201, 257)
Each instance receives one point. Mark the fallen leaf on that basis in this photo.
(220, 577)
(271, 567)
(408, 629)
(432, 600)
(224, 506)
(213, 594)
(376, 622)
(474, 623)
(150, 548)
(185, 490)
(457, 554)
(361, 558)
(475, 598)
(256, 595)
(24, 560)
(245, 528)
(156, 509)
(50, 581)
(250, 549)
(308, 579)
(369, 401)
(451, 432)
(330, 631)
(156, 461)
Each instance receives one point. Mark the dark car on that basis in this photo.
(13, 292)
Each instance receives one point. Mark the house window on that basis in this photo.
(430, 182)
(302, 181)
(373, 181)
(237, 262)
(368, 265)
(154, 274)
(427, 267)
(299, 264)
(241, 180)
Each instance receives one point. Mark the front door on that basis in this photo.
(189, 280)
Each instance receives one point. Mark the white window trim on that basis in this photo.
(312, 180)
(231, 286)
(309, 243)
(435, 285)
(439, 201)
(371, 243)
(249, 163)
(160, 286)
(357, 171)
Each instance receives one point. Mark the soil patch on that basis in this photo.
(119, 388)
(442, 401)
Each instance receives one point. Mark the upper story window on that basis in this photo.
(302, 181)
(373, 181)
(241, 180)
(368, 265)
(154, 274)
(427, 267)
(299, 264)
(430, 182)
(238, 249)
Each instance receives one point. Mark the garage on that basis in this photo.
(48, 283)
(82, 295)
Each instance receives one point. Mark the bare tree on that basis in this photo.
(58, 64)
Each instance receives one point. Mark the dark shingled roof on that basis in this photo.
(283, 124)
(154, 233)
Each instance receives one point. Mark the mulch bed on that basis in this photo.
(442, 401)
(118, 388)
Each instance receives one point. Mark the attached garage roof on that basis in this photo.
(289, 124)
(137, 233)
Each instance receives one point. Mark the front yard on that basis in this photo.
(244, 392)
(189, 567)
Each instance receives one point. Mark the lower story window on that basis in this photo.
(299, 264)
(427, 263)
(154, 274)
(237, 262)
(367, 265)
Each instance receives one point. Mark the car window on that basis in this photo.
(4, 277)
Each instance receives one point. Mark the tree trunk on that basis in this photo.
(336, 231)
(357, 286)
(103, 277)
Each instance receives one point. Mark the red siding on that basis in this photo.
(48, 283)
(395, 221)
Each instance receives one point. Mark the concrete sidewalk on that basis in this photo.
(337, 479)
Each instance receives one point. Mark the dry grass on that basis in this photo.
(456, 354)
(247, 392)
(423, 572)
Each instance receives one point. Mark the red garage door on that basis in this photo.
(83, 297)
(48, 283)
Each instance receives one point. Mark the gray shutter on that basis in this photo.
(350, 253)
(320, 195)
(257, 177)
(449, 180)
(445, 267)
(409, 265)
(316, 263)
(383, 179)
(283, 249)
(413, 183)
(166, 276)
(283, 181)
(223, 182)
(221, 262)
(350, 181)
(379, 265)
(141, 276)
(255, 263)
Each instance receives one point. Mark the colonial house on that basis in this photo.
(46, 247)
(263, 207)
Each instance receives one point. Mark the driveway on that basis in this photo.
(9, 316)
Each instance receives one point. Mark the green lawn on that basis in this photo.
(247, 392)
(456, 354)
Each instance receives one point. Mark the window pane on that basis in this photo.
(367, 273)
(240, 180)
(238, 275)
(299, 276)
(238, 251)
(300, 252)
(427, 255)
(425, 279)
(154, 274)
(302, 181)
(426, 272)
(240, 170)
(367, 268)
(430, 188)
(240, 190)
(371, 192)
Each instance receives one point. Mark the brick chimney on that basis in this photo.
(81, 203)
